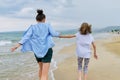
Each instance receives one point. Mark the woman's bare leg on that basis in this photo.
(40, 69)
(45, 70)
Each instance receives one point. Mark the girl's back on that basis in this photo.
(83, 43)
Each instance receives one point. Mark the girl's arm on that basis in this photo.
(68, 36)
(94, 48)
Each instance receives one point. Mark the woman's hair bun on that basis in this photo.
(40, 11)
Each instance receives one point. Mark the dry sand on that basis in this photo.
(107, 67)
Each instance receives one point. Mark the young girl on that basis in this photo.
(38, 39)
(84, 41)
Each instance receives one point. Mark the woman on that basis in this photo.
(38, 39)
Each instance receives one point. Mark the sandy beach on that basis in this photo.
(105, 68)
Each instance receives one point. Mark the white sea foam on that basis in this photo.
(54, 67)
(5, 42)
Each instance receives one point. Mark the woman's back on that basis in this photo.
(40, 30)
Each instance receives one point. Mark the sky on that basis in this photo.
(18, 15)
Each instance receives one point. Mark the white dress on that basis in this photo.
(83, 43)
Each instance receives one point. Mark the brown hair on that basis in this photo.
(85, 29)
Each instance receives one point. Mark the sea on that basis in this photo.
(23, 66)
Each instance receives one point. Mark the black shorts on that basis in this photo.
(47, 58)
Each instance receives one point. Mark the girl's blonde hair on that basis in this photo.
(85, 28)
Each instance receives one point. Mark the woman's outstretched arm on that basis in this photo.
(67, 36)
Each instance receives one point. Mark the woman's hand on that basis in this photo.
(14, 48)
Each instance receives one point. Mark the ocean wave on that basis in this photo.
(3, 42)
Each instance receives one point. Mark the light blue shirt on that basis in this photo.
(38, 39)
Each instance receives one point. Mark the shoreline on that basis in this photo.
(69, 57)
(105, 68)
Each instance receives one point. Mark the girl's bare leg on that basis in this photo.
(80, 75)
(85, 76)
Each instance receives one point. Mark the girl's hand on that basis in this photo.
(95, 56)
